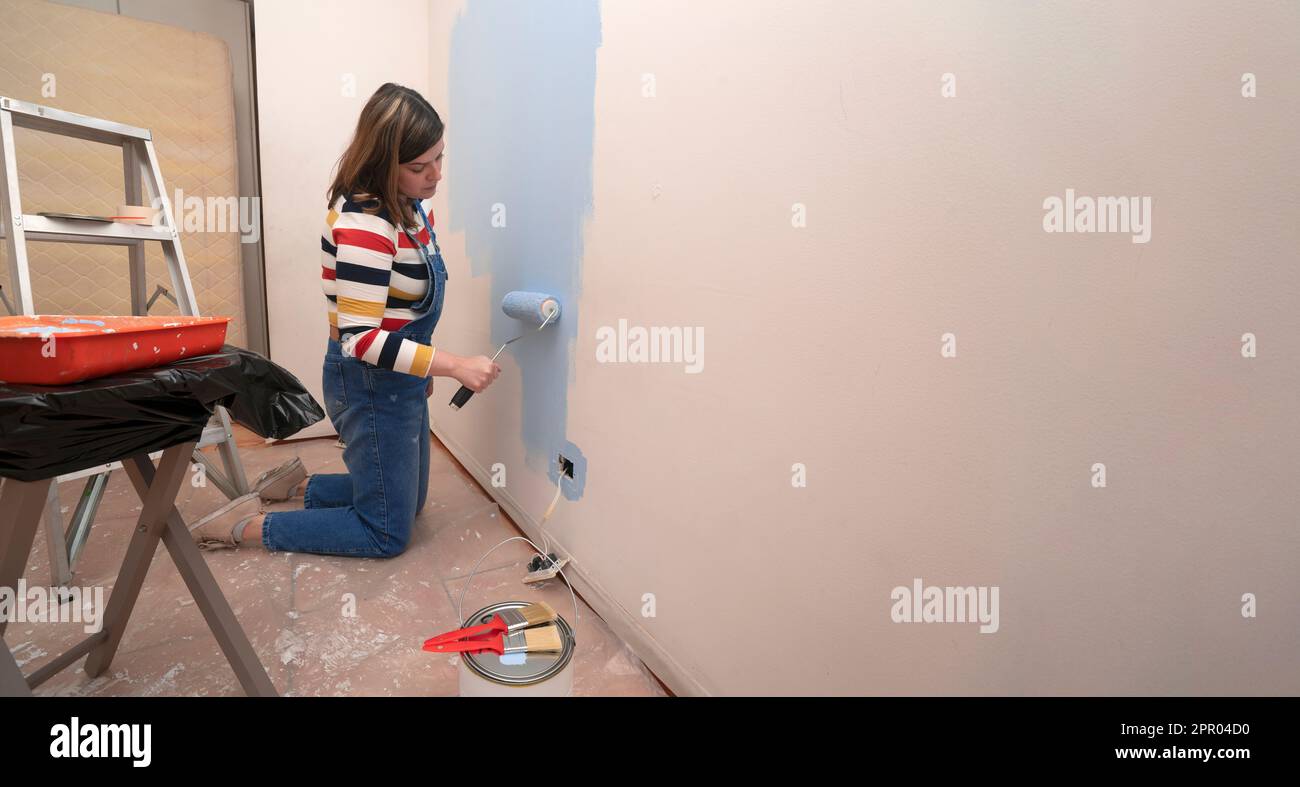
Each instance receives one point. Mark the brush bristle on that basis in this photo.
(537, 613)
(543, 638)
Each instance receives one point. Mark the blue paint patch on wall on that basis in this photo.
(520, 126)
(572, 487)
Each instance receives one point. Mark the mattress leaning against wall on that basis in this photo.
(174, 82)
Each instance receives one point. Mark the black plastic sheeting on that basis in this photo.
(46, 430)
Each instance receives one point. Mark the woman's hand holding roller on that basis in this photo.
(476, 372)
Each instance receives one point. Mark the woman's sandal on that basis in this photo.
(278, 483)
(218, 529)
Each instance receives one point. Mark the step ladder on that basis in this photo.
(140, 167)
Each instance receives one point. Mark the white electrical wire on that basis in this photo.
(546, 539)
(544, 552)
(460, 616)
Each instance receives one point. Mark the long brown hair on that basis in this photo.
(396, 126)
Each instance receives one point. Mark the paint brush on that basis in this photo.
(503, 622)
(523, 641)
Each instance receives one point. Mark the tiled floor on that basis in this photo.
(295, 607)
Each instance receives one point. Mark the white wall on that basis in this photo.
(309, 52)
(823, 343)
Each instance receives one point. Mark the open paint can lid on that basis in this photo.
(518, 669)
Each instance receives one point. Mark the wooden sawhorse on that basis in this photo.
(21, 505)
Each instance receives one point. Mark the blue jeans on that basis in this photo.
(383, 418)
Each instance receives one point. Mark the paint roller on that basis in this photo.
(536, 308)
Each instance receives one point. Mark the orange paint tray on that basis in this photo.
(59, 349)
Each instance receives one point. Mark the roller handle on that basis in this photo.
(462, 396)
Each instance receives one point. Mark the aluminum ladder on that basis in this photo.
(140, 167)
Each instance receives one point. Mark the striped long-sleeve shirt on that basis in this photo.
(372, 275)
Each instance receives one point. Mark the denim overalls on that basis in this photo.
(382, 416)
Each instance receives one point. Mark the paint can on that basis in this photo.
(543, 674)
